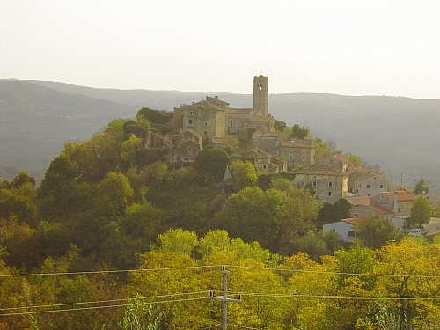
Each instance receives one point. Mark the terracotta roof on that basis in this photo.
(402, 196)
(318, 169)
(380, 209)
(359, 200)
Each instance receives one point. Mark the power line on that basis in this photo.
(110, 271)
(219, 266)
(141, 298)
(103, 306)
(283, 295)
(121, 305)
(338, 273)
(34, 306)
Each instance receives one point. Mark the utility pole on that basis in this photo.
(224, 298)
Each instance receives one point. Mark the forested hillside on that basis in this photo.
(116, 237)
(397, 133)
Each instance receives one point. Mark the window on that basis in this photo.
(314, 183)
(192, 113)
(381, 186)
(368, 186)
(190, 122)
(264, 166)
(313, 192)
(330, 184)
(205, 123)
(291, 157)
(230, 123)
(351, 233)
(329, 193)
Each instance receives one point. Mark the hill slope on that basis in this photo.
(398, 133)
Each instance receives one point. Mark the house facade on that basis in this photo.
(367, 183)
(326, 183)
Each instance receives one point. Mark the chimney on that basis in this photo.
(396, 202)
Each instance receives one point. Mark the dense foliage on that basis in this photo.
(111, 203)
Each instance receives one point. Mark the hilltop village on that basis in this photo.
(253, 136)
(183, 193)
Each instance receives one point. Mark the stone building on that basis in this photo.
(246, 130)
(186, 146)
(325, 182)
(388, 204)
(367, 183)
(298, 153)
(337, 162)
(213, 118)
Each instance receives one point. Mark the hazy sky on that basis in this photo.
(346, 47)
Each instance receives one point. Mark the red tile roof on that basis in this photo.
(402, 196)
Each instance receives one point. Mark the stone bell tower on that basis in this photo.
(260, 96)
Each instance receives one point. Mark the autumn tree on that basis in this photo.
(244, 174)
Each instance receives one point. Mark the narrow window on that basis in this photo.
(314, 184)
(329, 193)
(330, 184)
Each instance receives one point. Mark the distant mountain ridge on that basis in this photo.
(400, 134)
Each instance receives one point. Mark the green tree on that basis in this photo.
(421, 187)
(420, 213)
(211, 163)
(130, 149)
(132, 127)
(333, 212)
(355, 161)
(57, 190)
(299, 132)
(113, 195)
(21, 179)
(377, 230)
(280, 125)
(140, 315)
(244, 174)
(254, 214)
